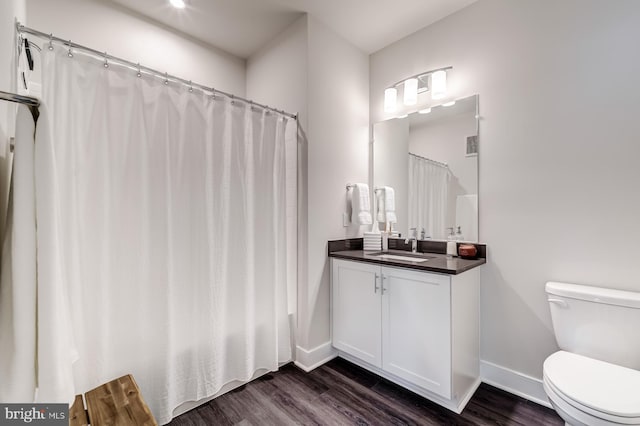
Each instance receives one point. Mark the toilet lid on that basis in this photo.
(601, 386)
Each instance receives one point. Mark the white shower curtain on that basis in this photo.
(428, 196)
(18, 287)
(174, 214)
(36, 340)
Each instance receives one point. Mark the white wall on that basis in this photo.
(333, 142)
(338, 154)
(107, 26)
(391, 166)
(277, 75)
(9, 11)
(559, 151)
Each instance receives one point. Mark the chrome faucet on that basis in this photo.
(413, 238)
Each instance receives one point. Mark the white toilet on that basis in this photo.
(595, 378)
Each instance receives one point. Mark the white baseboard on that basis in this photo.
(308, 360)
(514, 382)
(456, 404)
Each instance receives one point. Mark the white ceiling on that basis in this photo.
(242, 27)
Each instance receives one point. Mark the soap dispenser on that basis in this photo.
(452, 246)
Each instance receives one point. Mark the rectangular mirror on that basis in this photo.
(431, 161)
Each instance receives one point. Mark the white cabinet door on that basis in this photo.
(416, 327)
(357, 310)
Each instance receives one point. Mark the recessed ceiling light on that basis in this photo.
(178, 4)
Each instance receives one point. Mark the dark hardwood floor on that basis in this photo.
(341, 393)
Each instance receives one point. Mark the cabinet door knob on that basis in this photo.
(375, 284)
(383, 289)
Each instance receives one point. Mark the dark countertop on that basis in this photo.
(437, 263)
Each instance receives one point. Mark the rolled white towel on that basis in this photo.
(372, 241)
(390, 204)
(361, 206)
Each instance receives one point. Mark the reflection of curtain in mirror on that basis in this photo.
(428, 196)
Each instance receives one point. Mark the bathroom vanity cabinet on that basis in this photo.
(415, 328)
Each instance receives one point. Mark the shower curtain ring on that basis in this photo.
(51, 41)
(190, 87)
(166, 78)
(70, 54)
(106, 63)
(139, 74)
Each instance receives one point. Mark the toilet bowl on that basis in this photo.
(589, 392)
(594, 380)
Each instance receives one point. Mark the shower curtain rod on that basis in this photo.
(20, 99)
(140, 68)
(431, 161)
(32, 103)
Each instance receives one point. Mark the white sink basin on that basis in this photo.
(404, 258)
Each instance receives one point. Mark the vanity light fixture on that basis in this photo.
(414, 85)
(439, 84)
(390, 99)
(424, 111)
(448, 104)
(411, 91)
(178, 4)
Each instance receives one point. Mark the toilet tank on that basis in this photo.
(596, 322)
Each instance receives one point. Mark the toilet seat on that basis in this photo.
(581, 415)
(600, 389)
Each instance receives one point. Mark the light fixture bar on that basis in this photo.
(422, 74)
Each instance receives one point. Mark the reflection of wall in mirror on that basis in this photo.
(445, 141)
(390, 164)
